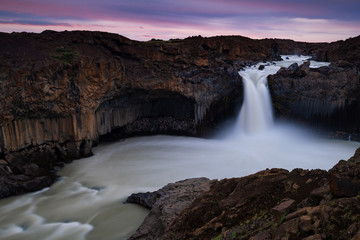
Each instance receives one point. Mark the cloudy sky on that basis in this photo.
(302, 20)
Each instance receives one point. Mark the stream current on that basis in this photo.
(87, 202)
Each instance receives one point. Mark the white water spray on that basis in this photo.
(256, 113)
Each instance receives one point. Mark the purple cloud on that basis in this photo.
(321, 20)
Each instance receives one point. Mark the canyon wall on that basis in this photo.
(61, 92)
(76, 86)
(326, 97)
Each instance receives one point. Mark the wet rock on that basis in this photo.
(261, 67)
(146, 200)
(293, 67)
(31, 169)
(20, 184)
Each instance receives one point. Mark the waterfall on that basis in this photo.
(86, 202)
(256, 112)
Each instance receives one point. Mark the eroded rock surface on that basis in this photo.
(63, 91)
(166, 205)
(326, 97)
(271, 204)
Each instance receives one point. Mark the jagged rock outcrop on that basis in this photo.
(327, 97)
(347, 51)
(166, 204)
(271, 204)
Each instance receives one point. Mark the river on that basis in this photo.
(87, 201)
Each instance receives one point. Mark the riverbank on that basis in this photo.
(87, 201)
(270, 204)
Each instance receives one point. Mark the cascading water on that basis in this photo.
(87, 202)
(256, 112)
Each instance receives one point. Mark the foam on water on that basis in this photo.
(315, 64)
(87, 202)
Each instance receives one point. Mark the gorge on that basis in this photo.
(62, 97)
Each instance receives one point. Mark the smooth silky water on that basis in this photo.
(87, 202)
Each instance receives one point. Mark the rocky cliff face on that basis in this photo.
(347, 52)
(75, 86)
(327, 97)
(300, 204)
(62, 91)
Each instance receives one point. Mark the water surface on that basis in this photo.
(87, 202)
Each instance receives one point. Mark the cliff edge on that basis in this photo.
(61, 92)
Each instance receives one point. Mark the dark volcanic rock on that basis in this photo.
(68, 89)
(270, 204)
(293, 67)
(348, 50)
(166, 205)
(261, 67)
(34, 168)
(71, 88)
(327, 97)
(345, 177)
(146, 200)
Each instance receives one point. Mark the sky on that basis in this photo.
(300, 20)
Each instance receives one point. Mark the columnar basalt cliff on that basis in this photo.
(326, 97)
(75, 86)
(62, 91)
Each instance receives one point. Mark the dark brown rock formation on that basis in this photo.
(347, 51)
(167, 204)
(327, 97)
(271, 204)
(62, 91)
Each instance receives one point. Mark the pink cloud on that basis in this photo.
(143, 20)
(299, 29)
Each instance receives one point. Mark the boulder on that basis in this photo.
(259, 207)
(166, 204)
